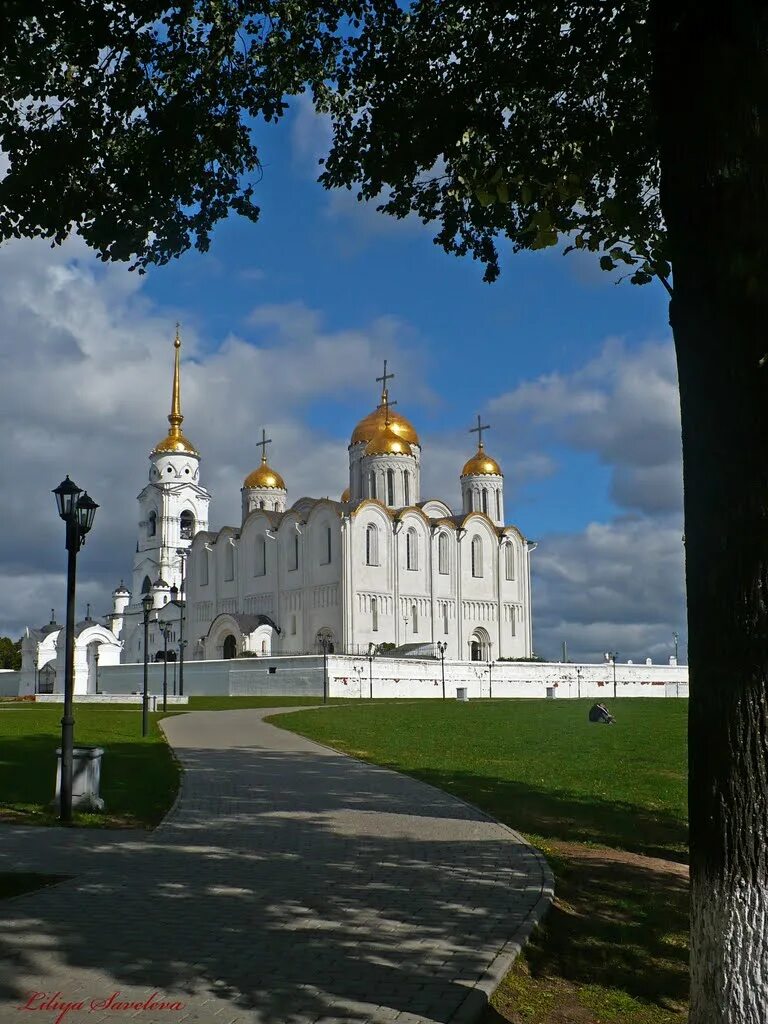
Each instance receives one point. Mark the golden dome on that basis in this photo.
(387, 442)
(264, 477)
(481, 464)
(376, 421)
(175, 441)
(345, 494)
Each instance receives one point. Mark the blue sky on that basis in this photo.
(286, 323)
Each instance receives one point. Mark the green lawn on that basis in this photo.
(600, 801)
(233, 703)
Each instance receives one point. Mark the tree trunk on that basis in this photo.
(711, 98)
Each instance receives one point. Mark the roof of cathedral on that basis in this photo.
(384, 416)
(264, 476)
(481, 464)
(345, 495)
(175, 441)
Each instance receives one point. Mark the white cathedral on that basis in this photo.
(379, 566)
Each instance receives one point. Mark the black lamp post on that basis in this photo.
(78, 512)
(442, 648)
(182, 553)
(147, 604)
(166, 634)
(325, 641)
(373, 650)
(490, 679)
(613, 655)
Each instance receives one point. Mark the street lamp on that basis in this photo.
(147, 604)
(578, 681)
(166, 633)
(612, 656)
(676, 637)
(78, 512)
(325, 643)
(490, 679)
(373, 650)
(442, 648)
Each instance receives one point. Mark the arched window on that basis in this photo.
(411, 550)
(498, 505)
(372, 487)
(293, 553)
(262, 504)
(485, 500)
(187, 525)
(477, 556)
(229, 561)
(415, 618)
(325, 554)
(390, 487)
(261, 557)
(509, 561)
(445, 618)
(374, 614)
(406, 487)
(146, 586)
(442, 554)
(204, 567)
(152, 523)
(230, 646)
(371, 545)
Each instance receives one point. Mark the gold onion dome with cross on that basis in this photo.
(175, 441)
(382, 418)
(264, 476)
(481, 463)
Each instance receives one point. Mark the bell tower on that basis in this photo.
(173, 506)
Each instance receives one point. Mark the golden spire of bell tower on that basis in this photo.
(175, 441)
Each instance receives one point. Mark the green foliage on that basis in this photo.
(136, 125)
(10, 653)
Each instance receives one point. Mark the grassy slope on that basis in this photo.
(613, 950)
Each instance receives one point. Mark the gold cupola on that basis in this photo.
(387, 442)
(481, 464)
(264, 476)
(175, 441)
(383, 417)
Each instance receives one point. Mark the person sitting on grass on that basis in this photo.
(600, 713)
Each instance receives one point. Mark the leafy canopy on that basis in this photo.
(136, 123)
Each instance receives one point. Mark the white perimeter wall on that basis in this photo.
(404, 677)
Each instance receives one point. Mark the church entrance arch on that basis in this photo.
(324, 641)
(46, 678)
(230, 646)
(479, 646)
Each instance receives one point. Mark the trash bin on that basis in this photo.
(461, 693)
(86, 778)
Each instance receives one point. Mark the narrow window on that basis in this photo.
(485, 500)
(374, 615)
(442, 554)
(445, 618)
(477, 557)
(509, 558)
(513, 615)
(187, 525)
(229, 562)
(407, 487)
(373, 484)
(204, 567)
(411, 550)
(294, 553)
(262, 504)
(415, 618)
(293, 625)
(261, 557)
(146, 586)
(498, 505)
(371, 545)
(390, 487)
(327, 546)
(152, 524)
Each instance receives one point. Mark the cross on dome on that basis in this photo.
(479, 431)
(263, 445)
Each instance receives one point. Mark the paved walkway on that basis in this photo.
(289, 885)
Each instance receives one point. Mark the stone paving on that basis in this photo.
(289, 885)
